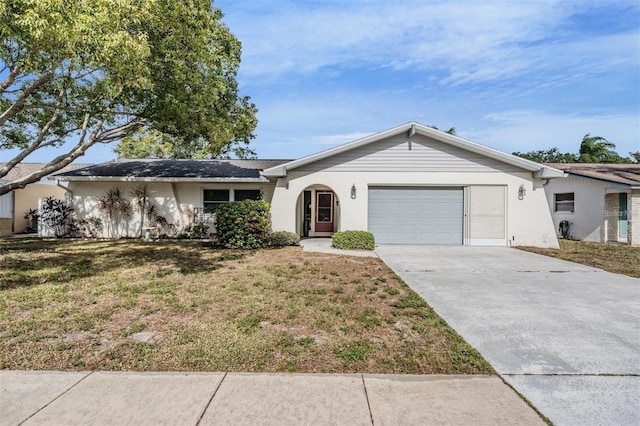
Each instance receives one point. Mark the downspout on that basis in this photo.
(68, 194)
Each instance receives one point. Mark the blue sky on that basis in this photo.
(513, 75)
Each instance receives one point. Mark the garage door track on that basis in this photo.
(566, 336)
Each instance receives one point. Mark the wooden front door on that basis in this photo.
(324, 211)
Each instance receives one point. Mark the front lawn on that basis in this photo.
(183, 306)
(620, 259)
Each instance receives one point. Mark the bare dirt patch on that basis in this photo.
(182, 306)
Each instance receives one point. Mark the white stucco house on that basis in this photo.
(601, 202)
(407, 185)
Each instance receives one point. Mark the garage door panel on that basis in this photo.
(400, 215)
(487, 209)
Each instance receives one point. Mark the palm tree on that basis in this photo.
(140, 193)
(596, 149)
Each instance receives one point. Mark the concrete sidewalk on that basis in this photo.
(109, 398)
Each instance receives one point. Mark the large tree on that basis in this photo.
(82, 72)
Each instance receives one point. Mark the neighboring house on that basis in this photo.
(27, 198)
(408, 185)
(601, 202)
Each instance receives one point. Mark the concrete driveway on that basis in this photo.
(565, 336)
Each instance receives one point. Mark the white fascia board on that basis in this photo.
(412, 128)
(156, 179)
(549, 173)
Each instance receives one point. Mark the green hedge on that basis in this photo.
(353, 240)
(284, 238)
(243, 224)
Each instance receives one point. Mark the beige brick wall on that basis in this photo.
(5, 226)
(612, 207)
(633, 206)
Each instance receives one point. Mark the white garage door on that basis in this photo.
(416, 215)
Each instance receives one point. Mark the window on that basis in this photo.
(213, 198)
(247, 194)
(564, 202)
(324, 207)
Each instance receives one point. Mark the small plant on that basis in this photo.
(243, 224)
(353, 240)
(90, 227)
(355, 351)
(194, 231)
(115, 205)
(283, 238)
(32, 216)
(411, 300)
(164, 229)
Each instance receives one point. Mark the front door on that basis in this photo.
(622, 215)
(324, 211)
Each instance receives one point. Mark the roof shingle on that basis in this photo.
(180, 169)
(627, 174)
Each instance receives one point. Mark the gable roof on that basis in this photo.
(21, 170)
(412, 128)
(625, 174)
(163, 170)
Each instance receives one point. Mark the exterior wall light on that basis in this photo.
(521, 192)
(353, 191)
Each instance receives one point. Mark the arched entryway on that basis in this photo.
(317, 212)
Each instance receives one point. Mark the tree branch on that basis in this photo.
(78, 150)
(37, 143)
(18, 105)
(58, 162)
(9, 80)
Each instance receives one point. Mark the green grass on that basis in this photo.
(184, 306)
(616, 258)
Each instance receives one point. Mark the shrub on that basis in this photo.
(194, 231)
(57, 215)
(90, 227)
(243, 224)
(353, 240)
(283, 238)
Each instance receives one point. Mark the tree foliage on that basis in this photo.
(593, 149)
(552, 155)
(154, 144)
(94, 71)
(596, 149)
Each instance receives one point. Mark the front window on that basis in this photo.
(213, 198)
(565, 202)
(247, 194)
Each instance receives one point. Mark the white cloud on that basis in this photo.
(467, 41)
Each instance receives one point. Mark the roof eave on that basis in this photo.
(157, 179)
(606, 181)
(549, 173)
